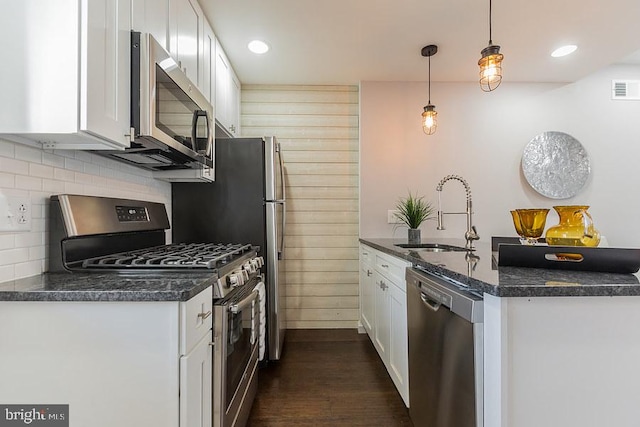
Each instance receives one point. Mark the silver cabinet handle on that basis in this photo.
(383, 286)
(384, 265)
(204, 315)
(365, 253)
(369, 273)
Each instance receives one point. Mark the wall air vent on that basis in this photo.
(625, 89)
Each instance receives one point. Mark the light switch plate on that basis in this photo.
(15, 213)
(391, 217)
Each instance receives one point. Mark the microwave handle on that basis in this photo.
(194, 126)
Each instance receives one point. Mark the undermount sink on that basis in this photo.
(431, 247)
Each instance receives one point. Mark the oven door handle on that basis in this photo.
(244, 303)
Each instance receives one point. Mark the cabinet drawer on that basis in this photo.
(367, 254)
(196, 319)
(392, 268)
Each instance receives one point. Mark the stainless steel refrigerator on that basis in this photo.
(245, 204)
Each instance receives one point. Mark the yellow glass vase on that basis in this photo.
(575, 228)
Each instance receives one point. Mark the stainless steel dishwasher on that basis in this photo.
(445, 352)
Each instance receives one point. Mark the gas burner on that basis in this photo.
(174, 256)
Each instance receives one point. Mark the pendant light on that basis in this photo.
(490, 63)
(429, 116)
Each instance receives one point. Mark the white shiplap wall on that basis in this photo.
(36, 173)
(318, 129)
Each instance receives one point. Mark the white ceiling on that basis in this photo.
(347, 41)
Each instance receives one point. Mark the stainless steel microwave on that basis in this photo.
(171, 120)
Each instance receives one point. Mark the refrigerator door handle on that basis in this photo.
(284, 197)
(283, 224)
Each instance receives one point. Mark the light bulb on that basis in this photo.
(429, 119)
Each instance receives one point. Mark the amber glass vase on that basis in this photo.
(529, 223)
(575, 228)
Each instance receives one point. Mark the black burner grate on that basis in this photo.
(177, 255)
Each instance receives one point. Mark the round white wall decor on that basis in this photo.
(556, 165)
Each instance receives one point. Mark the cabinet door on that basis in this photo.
(186, 38)
(398, 365)
(223, 75)
(195, 385)
(234, 104)
(367, 297)
(381, 324)
(152, 16)
(105, 69)
(209, 64)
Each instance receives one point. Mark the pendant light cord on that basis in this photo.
(490, 41)
(429, 80)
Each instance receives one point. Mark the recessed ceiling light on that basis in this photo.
(258, 46)
(564, 50)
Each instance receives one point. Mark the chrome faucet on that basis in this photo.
(471, 234)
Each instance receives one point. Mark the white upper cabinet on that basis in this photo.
(68, 83)
(209, 64)
(227, 94)
(186, 22)
(152, 16)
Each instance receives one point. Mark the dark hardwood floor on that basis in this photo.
(327, 377)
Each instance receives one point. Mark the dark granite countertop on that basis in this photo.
(480, 272)
(173, 286)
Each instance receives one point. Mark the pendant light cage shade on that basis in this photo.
(429, 115)
(429, 119)
(490, 68)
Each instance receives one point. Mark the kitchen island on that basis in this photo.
(561, 348)
(119, 349)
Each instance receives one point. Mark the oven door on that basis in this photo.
(235, 358)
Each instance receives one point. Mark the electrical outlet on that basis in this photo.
(391, 217)
(15, 213)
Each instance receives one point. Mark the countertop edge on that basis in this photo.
(603, 290)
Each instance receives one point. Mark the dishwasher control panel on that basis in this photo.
(436, 295)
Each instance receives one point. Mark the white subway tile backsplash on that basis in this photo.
(52, 186)
(83, 156)
(7, 241)
(7, 149)
(36, 253)
(74, 165)
(7, 180)
(26, 269)
(29, 154)
(63, 174)
(41, 171)
(74, 188)
(14, 166)
(14, 256)
(7, 272)
(26, 240)
(27, 170)
(28, 183)
(52, 159)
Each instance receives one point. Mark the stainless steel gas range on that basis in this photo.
(127, 237)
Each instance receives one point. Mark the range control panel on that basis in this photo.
(132, 214)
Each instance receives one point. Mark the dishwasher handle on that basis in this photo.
(431, 304)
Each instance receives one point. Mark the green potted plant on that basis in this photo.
(413, 211)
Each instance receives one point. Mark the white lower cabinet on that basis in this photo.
(125, 364)
(367, 291)
(383, 312)
(195, 386)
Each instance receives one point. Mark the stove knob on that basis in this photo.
(256, 265)
(260, 261)
(236, 279)
(245, 274)
(248, 267)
